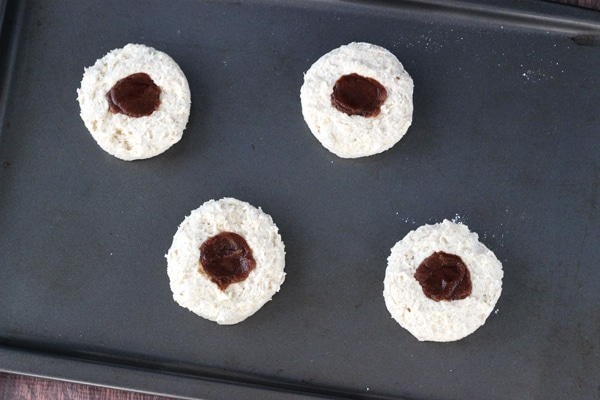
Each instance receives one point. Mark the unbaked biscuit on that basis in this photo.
(441, 321)
(352, 136)
(124, 136)
(192, 286)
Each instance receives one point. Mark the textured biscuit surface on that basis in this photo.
(357, 136)
(195, 291)
(442, 321)
(130, 138)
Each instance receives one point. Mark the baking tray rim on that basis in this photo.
(154, 378)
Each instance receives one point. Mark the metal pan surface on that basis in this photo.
(504, 139)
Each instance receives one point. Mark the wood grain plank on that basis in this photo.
(592, 4)
(21, 387)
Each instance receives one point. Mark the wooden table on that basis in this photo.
(593, 4)
(23, 387)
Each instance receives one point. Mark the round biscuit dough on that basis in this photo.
(195, 291)
(357, 136)
(442, 321)
(130, 138)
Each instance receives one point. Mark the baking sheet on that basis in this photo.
(504, 139)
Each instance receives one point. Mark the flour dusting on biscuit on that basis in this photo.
(226, 261)
(441, 283)
(357, 100)
(135, 101)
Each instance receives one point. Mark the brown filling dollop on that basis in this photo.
(354, 94)
(226, 258)
(444, 276)
(135, 96)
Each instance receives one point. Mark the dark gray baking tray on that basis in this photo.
(505, 139)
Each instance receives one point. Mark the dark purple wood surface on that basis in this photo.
(593, 4)
(22, 387)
